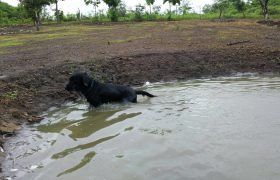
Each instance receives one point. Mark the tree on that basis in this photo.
(150, 3)
(171, 2)
(156, 9)
(221, 6)
(139, 11)
(78, 14)
(45, 14)
(7, 11)
(57, 13)
(207, 8)
(240, 6)
(34, 9)
(113, 12)
(95, 4)
(264, 6)
(185, 7)
(267, 7)
(122, 9)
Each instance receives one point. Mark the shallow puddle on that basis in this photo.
(224, 128)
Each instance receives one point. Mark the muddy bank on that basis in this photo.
(25, 95)
(270, 22)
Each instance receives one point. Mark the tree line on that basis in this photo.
(35, 9)
(241, 6)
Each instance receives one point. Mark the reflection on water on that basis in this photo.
(223, 128)
(86, 126)
(86, 159)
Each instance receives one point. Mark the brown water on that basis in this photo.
(225, 128)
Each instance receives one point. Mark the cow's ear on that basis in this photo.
(86, 81)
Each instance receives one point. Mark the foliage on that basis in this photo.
(112, 3)
(264, 6)
(12, 95)
(207, 9)
(122, 9)
(113, 14)
(7, 11)
(220, 6)
(150, 3)
(34, 9)
(156, 9)
(95, 4)
(139, 12)
(240, 6)
(113, 11)
(251, 8)
(71, 17)
(57, 12)
(185, 7)
(173, 2)
(10, 15)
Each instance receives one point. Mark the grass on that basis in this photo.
(145, 17)
(11, 95)
(8, 42)
(86, 32)
(48, 33)
(129, 39)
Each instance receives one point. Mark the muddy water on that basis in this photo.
(225, 128)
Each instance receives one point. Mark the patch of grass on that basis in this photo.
(141, 25)
(235, 34)
(12, 95)
(129, 39)
(70, 28)
(9, 43)
(49, 33)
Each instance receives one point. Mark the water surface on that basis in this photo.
(224, 128)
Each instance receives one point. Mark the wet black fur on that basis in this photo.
(98, 93)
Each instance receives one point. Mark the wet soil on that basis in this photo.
(33, 75)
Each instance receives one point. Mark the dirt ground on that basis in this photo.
(35, 66)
